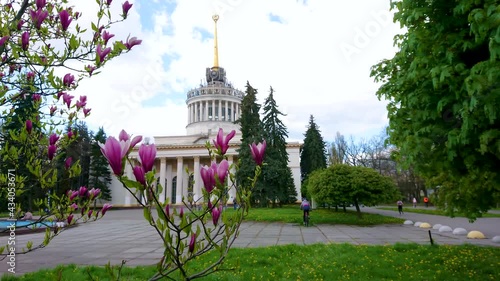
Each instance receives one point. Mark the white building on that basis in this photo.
(217, 104)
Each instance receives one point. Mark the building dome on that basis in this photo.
(216, 104)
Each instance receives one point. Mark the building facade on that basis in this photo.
(213, 105)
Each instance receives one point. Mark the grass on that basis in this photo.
(293, 214)
(321, 262)
(432, 212)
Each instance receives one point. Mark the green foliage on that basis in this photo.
(251, 132)
(277, 179)
(320, 262)
(443, 92)
(340, 184)
(313, 152)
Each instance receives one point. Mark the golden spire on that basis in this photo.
(216, 50)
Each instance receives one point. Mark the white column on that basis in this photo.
(189, 113)
(206, 111)
(185, 182)
(168, 188)
(219, 113)
(180, 173)
(233, 115)
(213, 110)
(163, 164)
(226, 113)
(196, 112)
(197, 179)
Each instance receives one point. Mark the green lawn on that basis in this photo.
(323, 262)
(432, 211)
(293, 214)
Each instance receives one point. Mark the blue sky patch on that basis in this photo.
(275, 18)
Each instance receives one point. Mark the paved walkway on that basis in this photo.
(124, 234)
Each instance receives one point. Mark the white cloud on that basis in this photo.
(304, 59)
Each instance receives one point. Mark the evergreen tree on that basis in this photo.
(313, 152)
(100, 175)
(277, 176)
(251, 131)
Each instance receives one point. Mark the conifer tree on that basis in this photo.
(277, 176)
(313, 152)
(251, 131)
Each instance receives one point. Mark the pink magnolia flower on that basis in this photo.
(106, 36)
(40, 4)
(221, 142)
(25, 40)
(181, 212)
(68, 80)
(125, 8)
(123, 136)
(192, 242)
(167, 210)
(67, 99)
(132, 42)
(89, 214)
(94, 192)
(105, 208)
(51, 151)
(65, 19)
(139, 175)
(114, 151)
(222, 171)
(20, 24)
(147, 154)
(82, 192)
(108, 2)
(70, 218)
(36, 97)
(74, 194)
(52, 110)
(38, 17)
(102, 53)
(90, 69)
(216, 215)
(67, 163)
(74, 207)
(29, 126)
(70, 134)
(82, 102)
(53, 139)
(4, 39)
(258, 152)
(86, 111)
(208, 177)
(30, 76)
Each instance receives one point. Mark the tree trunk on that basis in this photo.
(358, 210)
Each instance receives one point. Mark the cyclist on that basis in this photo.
(305, 206)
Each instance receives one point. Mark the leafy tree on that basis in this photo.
(353, 184)
(100, 175)
(313, 152)
(443, 92)
(251, 131)
(276, 175)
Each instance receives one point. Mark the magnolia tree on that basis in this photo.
(45, 53)
(191, 233)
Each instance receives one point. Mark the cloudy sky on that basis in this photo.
(316, 54)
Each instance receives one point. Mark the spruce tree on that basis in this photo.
(277, 176)
(313, 152)
(251, 131)
(100, 175)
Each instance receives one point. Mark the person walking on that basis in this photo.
(305, 206)
(400, 207)
(414, 202)
(426, 202)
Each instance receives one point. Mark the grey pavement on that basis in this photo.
(125, 235)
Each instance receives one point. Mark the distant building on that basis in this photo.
(217, 104)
